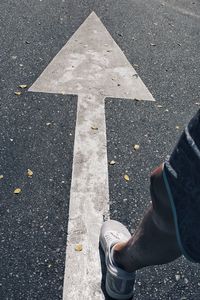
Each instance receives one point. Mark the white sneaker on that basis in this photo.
(119, 283)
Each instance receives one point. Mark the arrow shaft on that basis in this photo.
(89, 198)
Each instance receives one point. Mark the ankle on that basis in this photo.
(121, 259)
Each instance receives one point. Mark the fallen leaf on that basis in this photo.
(48, 123)
(159, 106)
(112, 162)
(94, 128)
(23, 86)
(78, 247)
(135, 75)
(126, 177)
(1, 176)
(17, 191)
(153, 44)
(197, 103)
(177, 127)
(18, 93)
(135, 65)
(136, 147)
(29, 173)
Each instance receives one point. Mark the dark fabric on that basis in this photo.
(183, 176)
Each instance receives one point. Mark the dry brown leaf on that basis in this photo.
(17, 191)
(29, 173)
(136, 147)
(1, 176)
(112, 162)
(78, 247)
(18, 93)
(23, 86)
(126, 177)
(94, 128)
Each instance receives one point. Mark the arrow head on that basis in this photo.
(92, 63)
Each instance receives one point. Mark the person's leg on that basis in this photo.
(155, 239)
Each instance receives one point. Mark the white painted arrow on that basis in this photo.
(91, 65)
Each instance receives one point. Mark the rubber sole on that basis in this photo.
(117, 296)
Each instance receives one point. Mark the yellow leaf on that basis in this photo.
(112, 162)
(136, 147)
(126, 177)
(17, 191)
(94, 127)
(29, 173)
(78, 247)
(1, 176)
(23, 86)
(18, 93)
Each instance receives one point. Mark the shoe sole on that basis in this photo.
(117, 296)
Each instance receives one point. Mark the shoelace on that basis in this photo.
(109, 236)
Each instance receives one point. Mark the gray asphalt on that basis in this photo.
(34, 223)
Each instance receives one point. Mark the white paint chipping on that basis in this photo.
(91, 65)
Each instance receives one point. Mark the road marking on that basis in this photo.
(93, 66)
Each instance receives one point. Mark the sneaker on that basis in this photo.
(119, 283)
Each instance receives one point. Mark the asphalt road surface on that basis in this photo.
(161, 39)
